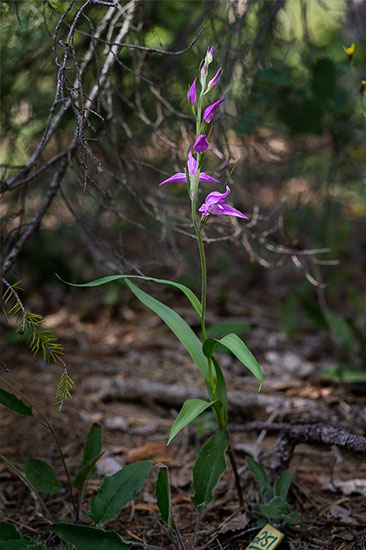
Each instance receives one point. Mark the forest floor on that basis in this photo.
(132, 376)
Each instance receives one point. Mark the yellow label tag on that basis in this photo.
(268, 537)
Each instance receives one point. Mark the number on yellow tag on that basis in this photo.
(268, 538)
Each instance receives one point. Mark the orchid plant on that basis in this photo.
(210, 462)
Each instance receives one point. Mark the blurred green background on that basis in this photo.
(293, 123)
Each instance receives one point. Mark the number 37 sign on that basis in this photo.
(267, 538)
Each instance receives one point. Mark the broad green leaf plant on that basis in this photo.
(202, 350)
(40, 477)
(273, 506)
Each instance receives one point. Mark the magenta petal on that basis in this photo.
(192, 96)
(180, 177)
(230, 211)
(216, 197)
(192, 164)
(206, 177)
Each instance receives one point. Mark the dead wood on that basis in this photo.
(291, 435)
(174, 395)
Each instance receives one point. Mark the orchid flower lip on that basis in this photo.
(215, 204)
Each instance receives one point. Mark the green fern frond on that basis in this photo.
(40, 340)
(64, 388)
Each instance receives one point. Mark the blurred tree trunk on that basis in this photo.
(356, 20)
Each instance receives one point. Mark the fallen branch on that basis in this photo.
(291, 435)
(174, 395)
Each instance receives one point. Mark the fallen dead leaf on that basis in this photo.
(157, 450)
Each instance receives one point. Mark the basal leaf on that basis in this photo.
(42, 476)
(23, 544)
(117, 490)
(11, 539)
(259, 474)
(276, 508)
(208, 468)
(10, 401)
(104, 280)
(8, 532)
(84, 473)
(238, 348)
(93, 446)
(163, 497)
(89, 538)
(189, 411)
(282, 484)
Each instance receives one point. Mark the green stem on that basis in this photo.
(234, 466)
(198, 231)
(47, 513)
(53, 433)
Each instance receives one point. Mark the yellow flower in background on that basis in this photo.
(363, 88)
(350, 50)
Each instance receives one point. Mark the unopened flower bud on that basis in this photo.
(210, 111)
(213, 82)
(201, 144)
(209, 56)
(192, 96)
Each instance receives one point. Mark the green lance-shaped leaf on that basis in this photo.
(92, 450)
(104, 280)
(10, 401)
(209, 466)
(163, 496)
(259, 474)
(117, 490)
(85, 472)
(181, 329)
(93, 444)
(189, 411)
(282, 484)
(276, 508)
(42, 476)
(89, 538)
(239, 349)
